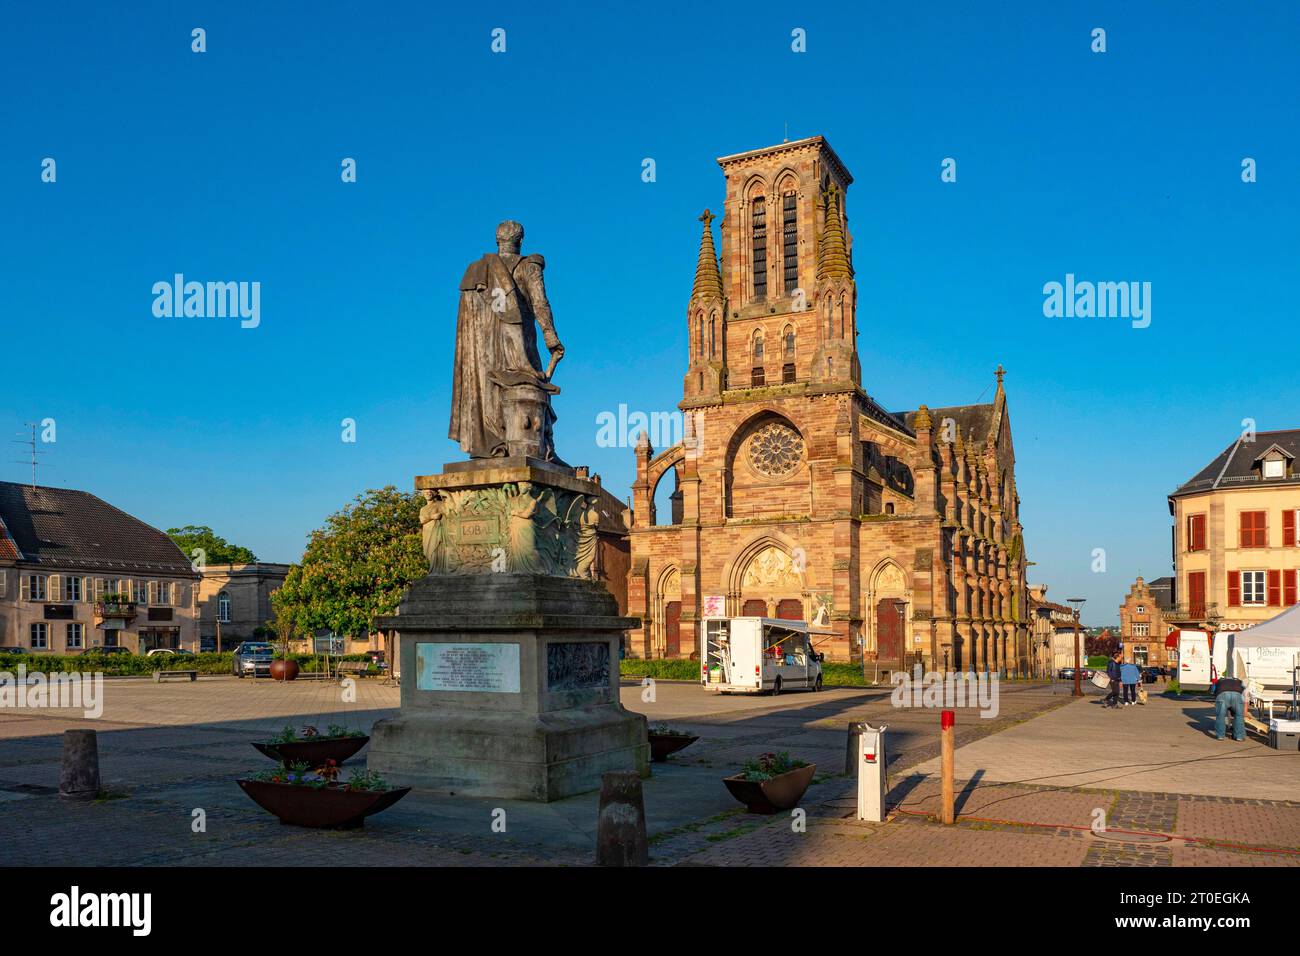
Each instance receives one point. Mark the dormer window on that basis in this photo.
(1274, 462)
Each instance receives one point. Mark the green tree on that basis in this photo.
(216, 549)
(356, 567)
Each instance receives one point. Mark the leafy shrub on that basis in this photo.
(664, 730)
(770, 765)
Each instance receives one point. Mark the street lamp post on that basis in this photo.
(1078, 665)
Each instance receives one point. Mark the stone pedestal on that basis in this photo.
(509, 676)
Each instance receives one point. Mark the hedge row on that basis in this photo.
(127, 665)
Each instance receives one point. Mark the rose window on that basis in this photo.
(775, 449)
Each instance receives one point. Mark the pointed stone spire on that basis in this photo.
(832, 252)
(708, 280)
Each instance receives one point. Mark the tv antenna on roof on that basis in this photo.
(35, 452)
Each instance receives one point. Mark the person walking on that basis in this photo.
(1130, 674)
(1230, 695)
(1113, 672)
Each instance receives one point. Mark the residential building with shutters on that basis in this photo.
(795, 493)
(1236, 557)
(235, 601)
(1142, 624)
(77, 573)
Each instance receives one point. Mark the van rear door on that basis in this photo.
(746, 651)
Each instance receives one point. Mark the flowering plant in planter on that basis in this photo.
(770, 765)
(294, 773)
(665, 741)
(664, 730)
(771, 783)
(333, 732)
(316, 798)
(338, 743)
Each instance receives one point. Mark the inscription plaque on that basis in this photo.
(491, 668)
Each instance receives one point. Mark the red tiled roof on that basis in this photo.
(8, 549)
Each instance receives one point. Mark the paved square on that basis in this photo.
(172, 752)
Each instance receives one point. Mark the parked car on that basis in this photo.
(1149, 674)
(14, 650)
(169, 652)
(252, 657)
(1067, 673)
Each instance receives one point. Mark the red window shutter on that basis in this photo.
(1288, 528)
(1288, 587)
(1275, 589)
(1234, 589)
(1196, 593)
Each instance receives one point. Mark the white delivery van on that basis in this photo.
(1196, 670)
(755, 655)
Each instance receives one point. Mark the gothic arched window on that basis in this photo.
(758, 227)
(757, 348)
(787, 338)
(790, 241)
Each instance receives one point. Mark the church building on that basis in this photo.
(796, 495)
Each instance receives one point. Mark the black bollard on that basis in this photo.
(620, 827)
(79, 776)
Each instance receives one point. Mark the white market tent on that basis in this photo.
(1281, 631)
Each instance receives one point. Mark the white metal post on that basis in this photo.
(871, 774)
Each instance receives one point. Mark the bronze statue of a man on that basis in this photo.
(500, 396)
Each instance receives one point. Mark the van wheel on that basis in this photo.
(776, 688)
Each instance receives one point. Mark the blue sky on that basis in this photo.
(1122, 166)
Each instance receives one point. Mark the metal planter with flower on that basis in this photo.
(302, 797)
(771, 783)
(311, 747)
(664, 741)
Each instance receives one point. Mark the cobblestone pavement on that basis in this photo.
(170, 754)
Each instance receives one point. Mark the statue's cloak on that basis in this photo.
(496, 346)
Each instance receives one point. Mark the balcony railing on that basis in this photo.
(1198, 611)
(122, 609)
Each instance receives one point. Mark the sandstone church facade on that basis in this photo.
(796, 494)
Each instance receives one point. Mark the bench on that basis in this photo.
(359, 668)
(159, 675)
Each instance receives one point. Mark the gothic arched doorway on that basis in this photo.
(672, 629)
(789, 609)
(668, 614)
(889, 632)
